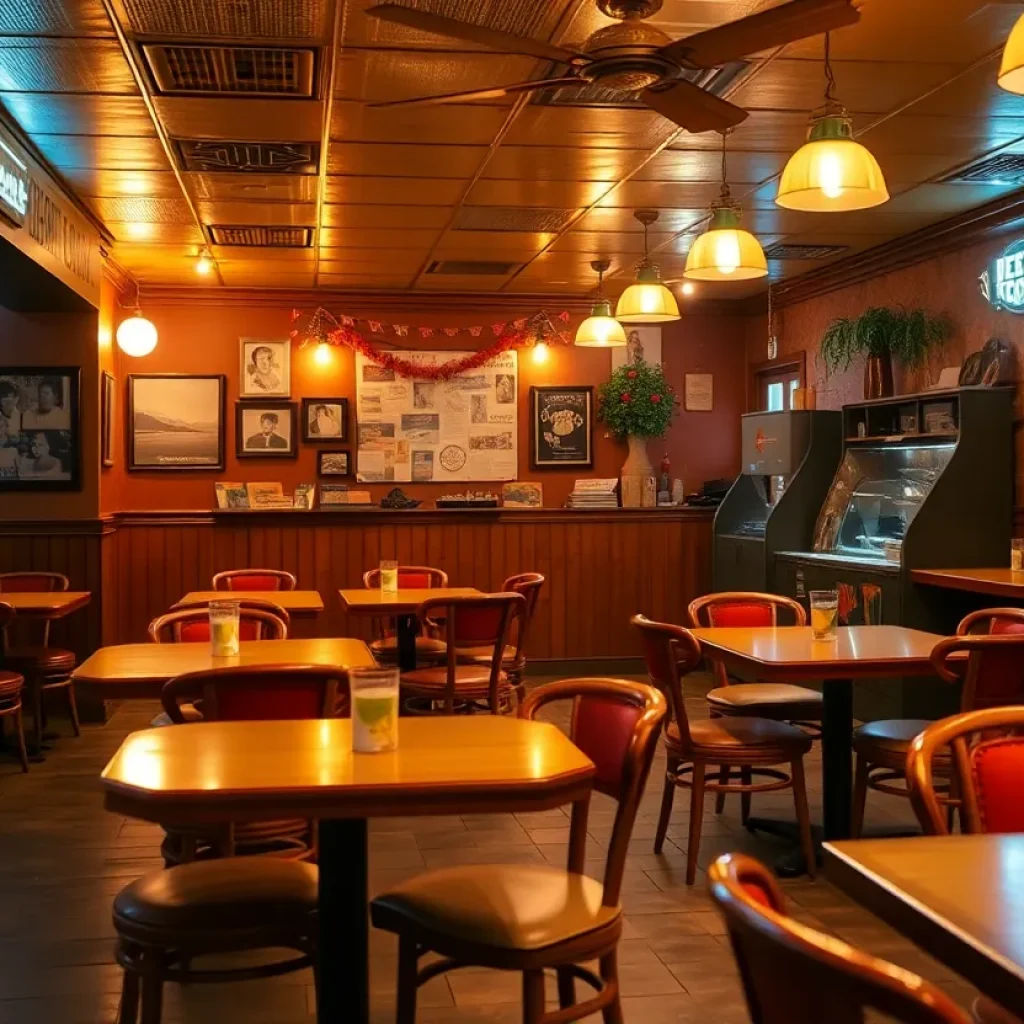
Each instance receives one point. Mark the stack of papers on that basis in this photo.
(594, 494)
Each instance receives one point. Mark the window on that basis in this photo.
(776, 387)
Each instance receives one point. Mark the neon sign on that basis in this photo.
(1003, 282)
(14, 184)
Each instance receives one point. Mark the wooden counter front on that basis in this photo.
(601, 566)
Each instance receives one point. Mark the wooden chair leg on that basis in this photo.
(747, 778)
(723, 780)
(152, 998)
(128, 1010)
(803, 815)
(667, 796)
(566, 988)
(73, 708)
(533, 997)
(19, 736)
(696, 815)
(37, 713)
(408, 965)
(860, 796)
(609, 971)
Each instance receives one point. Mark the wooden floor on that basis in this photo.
(62, 859)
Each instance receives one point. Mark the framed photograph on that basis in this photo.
(40, 429)
(266, 368)
(325, 419)
(561, 427)
(522, 495)
(267, 429)
(332, 463)
(108, 399)
(175, 421)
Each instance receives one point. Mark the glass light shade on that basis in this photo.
(136, 336)
(204, 265)
(647, 300)
(601, 329)
(1011, 70)
(831, 172)
(725, 252)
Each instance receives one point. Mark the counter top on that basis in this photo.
(1001, 582)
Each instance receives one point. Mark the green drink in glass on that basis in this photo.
(374, 710)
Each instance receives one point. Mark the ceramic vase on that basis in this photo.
(635, 470)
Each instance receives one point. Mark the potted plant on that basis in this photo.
(880, 333)
(637, 403)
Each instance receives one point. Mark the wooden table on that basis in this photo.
(791, 654)
(210, 772)
(296, 603)
(994, 582)
(140, 670)
(46, 604)
(401, 604)
(958, 897)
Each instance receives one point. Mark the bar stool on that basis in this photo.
(11, 686)
(429, 649)
(44, 668)
(254, 579)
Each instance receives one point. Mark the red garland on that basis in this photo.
(407, 368)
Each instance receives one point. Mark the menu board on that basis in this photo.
(411, 430)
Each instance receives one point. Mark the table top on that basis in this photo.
(141, 669)
(791, 652)
(1003, 582)
(215, 771)
(46, 604)
(372, 601)
(295, 602)
(959, 897)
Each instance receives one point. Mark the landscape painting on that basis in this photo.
(175, 421)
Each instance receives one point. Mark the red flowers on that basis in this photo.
(631, 375)
(655, 399)
(625, 396)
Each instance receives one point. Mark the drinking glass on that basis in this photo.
(374, 709)
(389, 577)
(224, 628)
(825, 614)
(1017, 554)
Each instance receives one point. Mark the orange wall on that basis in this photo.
(203, 338)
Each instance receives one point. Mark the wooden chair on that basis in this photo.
(29, 654)
(991, 674)
(257, 603)
(532, 917)
(256, 621)
(793, 974)
(514, 661)
(385, 647)
(251, 694)
(254, 579)
(467, 622)
(11, 686)
(754, 746)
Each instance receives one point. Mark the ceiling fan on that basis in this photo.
(634, 56)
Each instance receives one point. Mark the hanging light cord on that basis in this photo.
(725, 176)
(600, 282)
(830, 78)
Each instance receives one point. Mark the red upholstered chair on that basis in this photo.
(754, 746)
(991, 675)
(514, 661)
(429, 649)
(467, 622)
(532, 917)
(793, 974)
(256, 603)
(256, 621)
(254, 579)
(11, 686)
(27, 650)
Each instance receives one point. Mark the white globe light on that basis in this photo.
(136, 336)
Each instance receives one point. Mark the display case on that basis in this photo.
(788, 462)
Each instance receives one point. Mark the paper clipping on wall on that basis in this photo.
(422, 431)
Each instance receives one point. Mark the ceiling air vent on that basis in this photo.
(227, 19)
(796, 251)
(249, 157)
(1001, 169)
(231, 70)
(256, 237)
(481, 268)
(511, 218)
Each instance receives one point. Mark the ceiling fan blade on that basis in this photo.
(786, 23)
(693, 108)
(480, 94)
(424, 21)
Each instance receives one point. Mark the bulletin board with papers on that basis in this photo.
(423, 431)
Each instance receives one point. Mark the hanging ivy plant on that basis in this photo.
(909, 336)
(637, 401)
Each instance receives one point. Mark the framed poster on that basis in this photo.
(699, 394)
(266, 429)
(332, 463)
(108, 398)
(175, 421)
(561, 427)
(266, 368)
(40, 429)
(643, 344)
(325, 419)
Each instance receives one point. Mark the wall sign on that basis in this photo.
(1002, 283)
(14, 184)
(561, 427)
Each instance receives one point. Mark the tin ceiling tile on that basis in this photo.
(90, 182)
(396, 161)
(265, 120)
(144, 209)
(280, 214)
(378, 238)
(278, 188)
(78, 114)
(231, 19)
(103, 152)
(63, 65)
(73, 18)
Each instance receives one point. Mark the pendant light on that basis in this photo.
(136, 336)
(1011, 69)
(600, 329)
(205, 263)
(831, 172)
(725, 252)
(647, 300)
